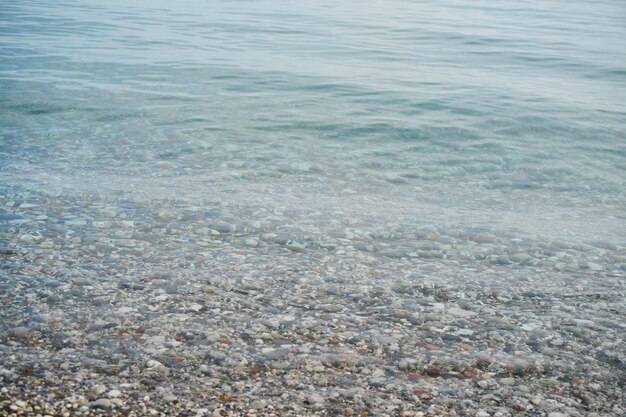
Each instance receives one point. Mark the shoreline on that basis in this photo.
(286, 327)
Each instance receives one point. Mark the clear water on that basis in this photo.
(200, 199)
(303, 118)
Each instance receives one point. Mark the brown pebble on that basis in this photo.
(422, 394)
(435, 371)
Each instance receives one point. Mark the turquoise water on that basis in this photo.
(503, 118)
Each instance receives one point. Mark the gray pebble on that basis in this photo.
(102, 403)
(20, 332)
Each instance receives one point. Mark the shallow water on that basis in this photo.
(491, 116)
(353, 144)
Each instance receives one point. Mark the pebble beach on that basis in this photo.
(116, 310)
(312, 210)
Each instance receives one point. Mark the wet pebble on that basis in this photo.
(102, 403)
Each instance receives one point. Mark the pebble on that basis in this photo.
(114, 393)
(217, 355)
(295, 246)
(316, 399)
(7, 374)
(165, 216)
(195, 307)
(103, 403)
(460, 312)
(151, 363)
(109, 212)
(280, 365)
(603, 244)
(583, 322)
(20, 332)
(165, 165)
(98, 389)
(223, 227)
(483, 384)
(594, 266)
(30, 238)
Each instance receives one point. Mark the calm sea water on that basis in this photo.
(313, 207)
(505, 117)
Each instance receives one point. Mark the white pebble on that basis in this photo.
(114, 393)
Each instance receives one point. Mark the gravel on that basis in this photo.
(209, 309)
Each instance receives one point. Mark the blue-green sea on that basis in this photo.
(359, 208)
(484, 114)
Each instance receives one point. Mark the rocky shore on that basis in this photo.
(110, 307)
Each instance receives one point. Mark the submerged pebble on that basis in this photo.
(296, 212)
